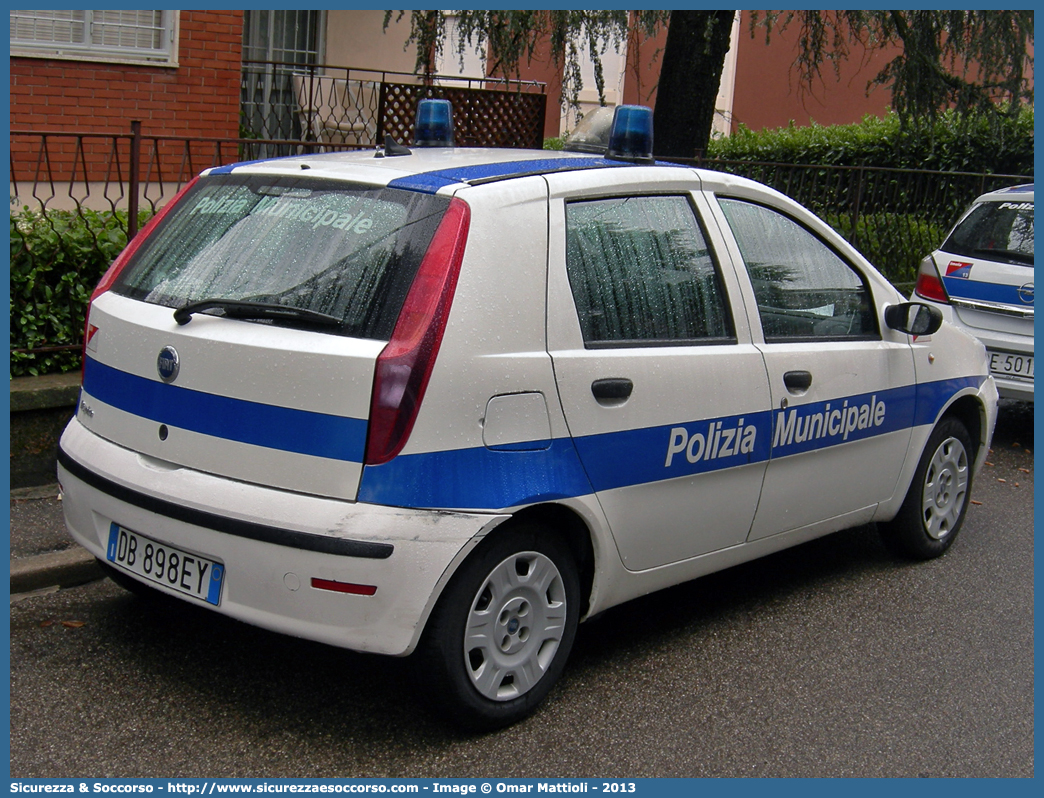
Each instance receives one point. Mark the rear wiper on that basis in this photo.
(240, 309)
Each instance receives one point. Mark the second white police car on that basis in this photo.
(451, 402)
(981, 279)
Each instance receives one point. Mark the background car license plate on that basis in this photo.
(1011, 365)
(165, 565)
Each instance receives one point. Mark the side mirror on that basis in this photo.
(913, 318)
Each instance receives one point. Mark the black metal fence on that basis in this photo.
(893, 216)
(76, 199)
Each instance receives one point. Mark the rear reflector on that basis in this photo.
(343, 587)
(405, 364)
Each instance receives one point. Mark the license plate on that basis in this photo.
(1007, 364)
(165, 565)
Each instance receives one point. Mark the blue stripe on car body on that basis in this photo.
(961, 288)
(271, 426)
(431, 182)
(477, 478)
(492, 479)
(633, 457)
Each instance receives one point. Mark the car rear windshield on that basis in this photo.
(337, 249)
(1001, 231)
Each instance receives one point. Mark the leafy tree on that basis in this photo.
(693, 60)
(511, 36)
(975, 62)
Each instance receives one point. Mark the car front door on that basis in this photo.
(842, 385)
(664, 393)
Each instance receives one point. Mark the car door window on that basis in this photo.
(641, 271)
(803, 288)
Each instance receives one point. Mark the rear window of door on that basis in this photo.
(642, 272)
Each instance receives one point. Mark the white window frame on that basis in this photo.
(164, 56)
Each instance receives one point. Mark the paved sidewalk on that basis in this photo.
(42, 553)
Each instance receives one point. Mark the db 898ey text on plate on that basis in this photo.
(165, 565)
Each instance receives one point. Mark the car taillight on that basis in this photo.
(123, 258)
(929, 283)
(405, 364)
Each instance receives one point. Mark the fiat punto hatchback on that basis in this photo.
(451, 402)
(982, 280)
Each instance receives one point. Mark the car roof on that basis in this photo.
(1013, 194)
(424, 168)
(430, 169)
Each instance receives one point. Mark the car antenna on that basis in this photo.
(393, 148)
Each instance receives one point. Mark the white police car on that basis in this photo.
(982, 280)
(455, 401)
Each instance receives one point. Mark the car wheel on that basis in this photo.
(501, 632)
(934, 508)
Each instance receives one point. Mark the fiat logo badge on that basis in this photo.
(1026, 293)
(167, 364)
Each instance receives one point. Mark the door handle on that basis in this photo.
(614, 389)
(797, 381)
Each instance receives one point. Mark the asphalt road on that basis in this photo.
(830, 659)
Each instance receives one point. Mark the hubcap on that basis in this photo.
(515, 626)
(945, 489)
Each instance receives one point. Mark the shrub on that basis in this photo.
(894, 242)
(56, 259)
(970, 144)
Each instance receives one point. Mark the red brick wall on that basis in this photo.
(198, 98)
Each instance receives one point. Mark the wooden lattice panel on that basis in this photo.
(481, 117)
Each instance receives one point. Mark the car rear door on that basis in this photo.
(664, 393)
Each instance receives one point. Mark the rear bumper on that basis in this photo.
(999, 340)
(274, 543)
(1009, 387)
(1015, 389)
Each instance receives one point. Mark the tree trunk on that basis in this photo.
(693, 59)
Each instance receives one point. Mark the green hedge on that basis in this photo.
(894, 242)
(56, 260)
(998, 146)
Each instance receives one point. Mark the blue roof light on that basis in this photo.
(434, 127)
(631, 136)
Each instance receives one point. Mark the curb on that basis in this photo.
(36, 492)
(57, 569)
(45, 393)
(65, 568)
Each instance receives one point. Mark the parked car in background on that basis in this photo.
(450, 402)
(982, 280)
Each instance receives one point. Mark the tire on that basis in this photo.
(501, 632)
(933, 511)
